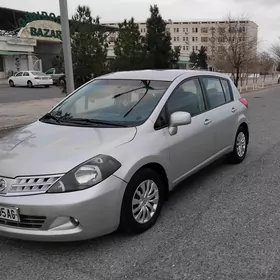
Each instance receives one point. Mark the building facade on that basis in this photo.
(192, 35)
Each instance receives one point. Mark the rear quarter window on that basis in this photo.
(227, 90)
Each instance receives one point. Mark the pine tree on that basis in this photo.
(202, 58)
(129, 49)
(160, 54)
(193, 59)
(89, 46)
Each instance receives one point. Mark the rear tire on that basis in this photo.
(240, 146)
(142, 202)
(47, 86)
(11, 83)
(29, 84)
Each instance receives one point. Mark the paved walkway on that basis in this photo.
(20, 113)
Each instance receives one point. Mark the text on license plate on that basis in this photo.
(8, 213)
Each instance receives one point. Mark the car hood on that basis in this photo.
(42, 148)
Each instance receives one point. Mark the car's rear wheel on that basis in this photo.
(47, 86)
(29, 84)
(142, 201)
(240, 145)
(11, 83)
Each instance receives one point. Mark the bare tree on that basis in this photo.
(231, 43)
(275, 49)
(266, 64)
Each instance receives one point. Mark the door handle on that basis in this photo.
(207, 121)
(233, 110)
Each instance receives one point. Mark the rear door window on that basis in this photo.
(214, 92)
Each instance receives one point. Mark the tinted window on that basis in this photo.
(19, 74)
(25, 74)
(38, 73)
(214, 92)
(187, 97)
(129, 102)
(50, 71)
(227, 91)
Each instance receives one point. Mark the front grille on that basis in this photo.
(35, 184)
(32, 222)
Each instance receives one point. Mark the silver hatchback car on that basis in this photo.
(107, 156)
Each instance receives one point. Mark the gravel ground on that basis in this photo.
(220, 224)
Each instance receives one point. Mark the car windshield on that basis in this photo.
(119, 102)
(38, 73)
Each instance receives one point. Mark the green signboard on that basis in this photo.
(29, 17)
(46, 33)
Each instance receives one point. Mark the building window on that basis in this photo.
(168, 29)
(194, 39)
(195, 30)
(174, 39)
(174, 29)
(204, 39)
(184, 48)
(1, 64)
(187, 48)
(184, 39)
(178, 39)
(196, 48)
(185, 29)
(177, 29)
(204, 30)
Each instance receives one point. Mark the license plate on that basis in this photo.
(9, 213)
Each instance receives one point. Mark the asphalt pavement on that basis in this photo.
(223, 223)
(18, 94)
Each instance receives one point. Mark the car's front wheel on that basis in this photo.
(142, 201)
(11, 83)
(240, 145)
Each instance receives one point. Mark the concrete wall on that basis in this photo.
(17, 45)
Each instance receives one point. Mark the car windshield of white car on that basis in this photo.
(106, 102)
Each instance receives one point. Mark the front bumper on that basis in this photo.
(97, 210)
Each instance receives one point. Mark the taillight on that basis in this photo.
(36, 78)
(244, 102)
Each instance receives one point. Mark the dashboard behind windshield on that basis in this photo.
(128, 102)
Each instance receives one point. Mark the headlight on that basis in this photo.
(86, 174)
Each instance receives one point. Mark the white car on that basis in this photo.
(30, 79)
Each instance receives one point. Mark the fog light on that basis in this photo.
(74, 221)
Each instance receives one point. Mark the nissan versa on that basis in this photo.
(107, 155)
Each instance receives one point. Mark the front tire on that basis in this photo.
(240, 146)
(142, 201)
(11, 83)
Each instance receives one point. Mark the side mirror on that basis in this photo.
(178, 119)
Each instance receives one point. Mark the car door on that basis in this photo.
(25, 78)
(17, 79)
(193, 143)
(220, 101)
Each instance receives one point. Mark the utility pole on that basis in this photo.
(66, 43)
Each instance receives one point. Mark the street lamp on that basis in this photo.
(66, 43)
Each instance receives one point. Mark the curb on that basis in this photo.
(259, 89)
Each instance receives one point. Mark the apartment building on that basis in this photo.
(191, 35)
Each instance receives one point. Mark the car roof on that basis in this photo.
(158, 75)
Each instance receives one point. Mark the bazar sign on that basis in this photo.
(45, 32)
(29, 17)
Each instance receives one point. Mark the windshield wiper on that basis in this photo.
(92, 121)
(50, 116)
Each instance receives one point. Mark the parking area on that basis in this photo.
(18, 94)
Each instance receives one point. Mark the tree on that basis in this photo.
(276, 50)
(231, 43)
(158, 47)
(278, 67)
(193, 59)
(202, 58)
(129, 49)
(266, 63)
(89, 46)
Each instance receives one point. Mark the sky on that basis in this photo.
(264, 12)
